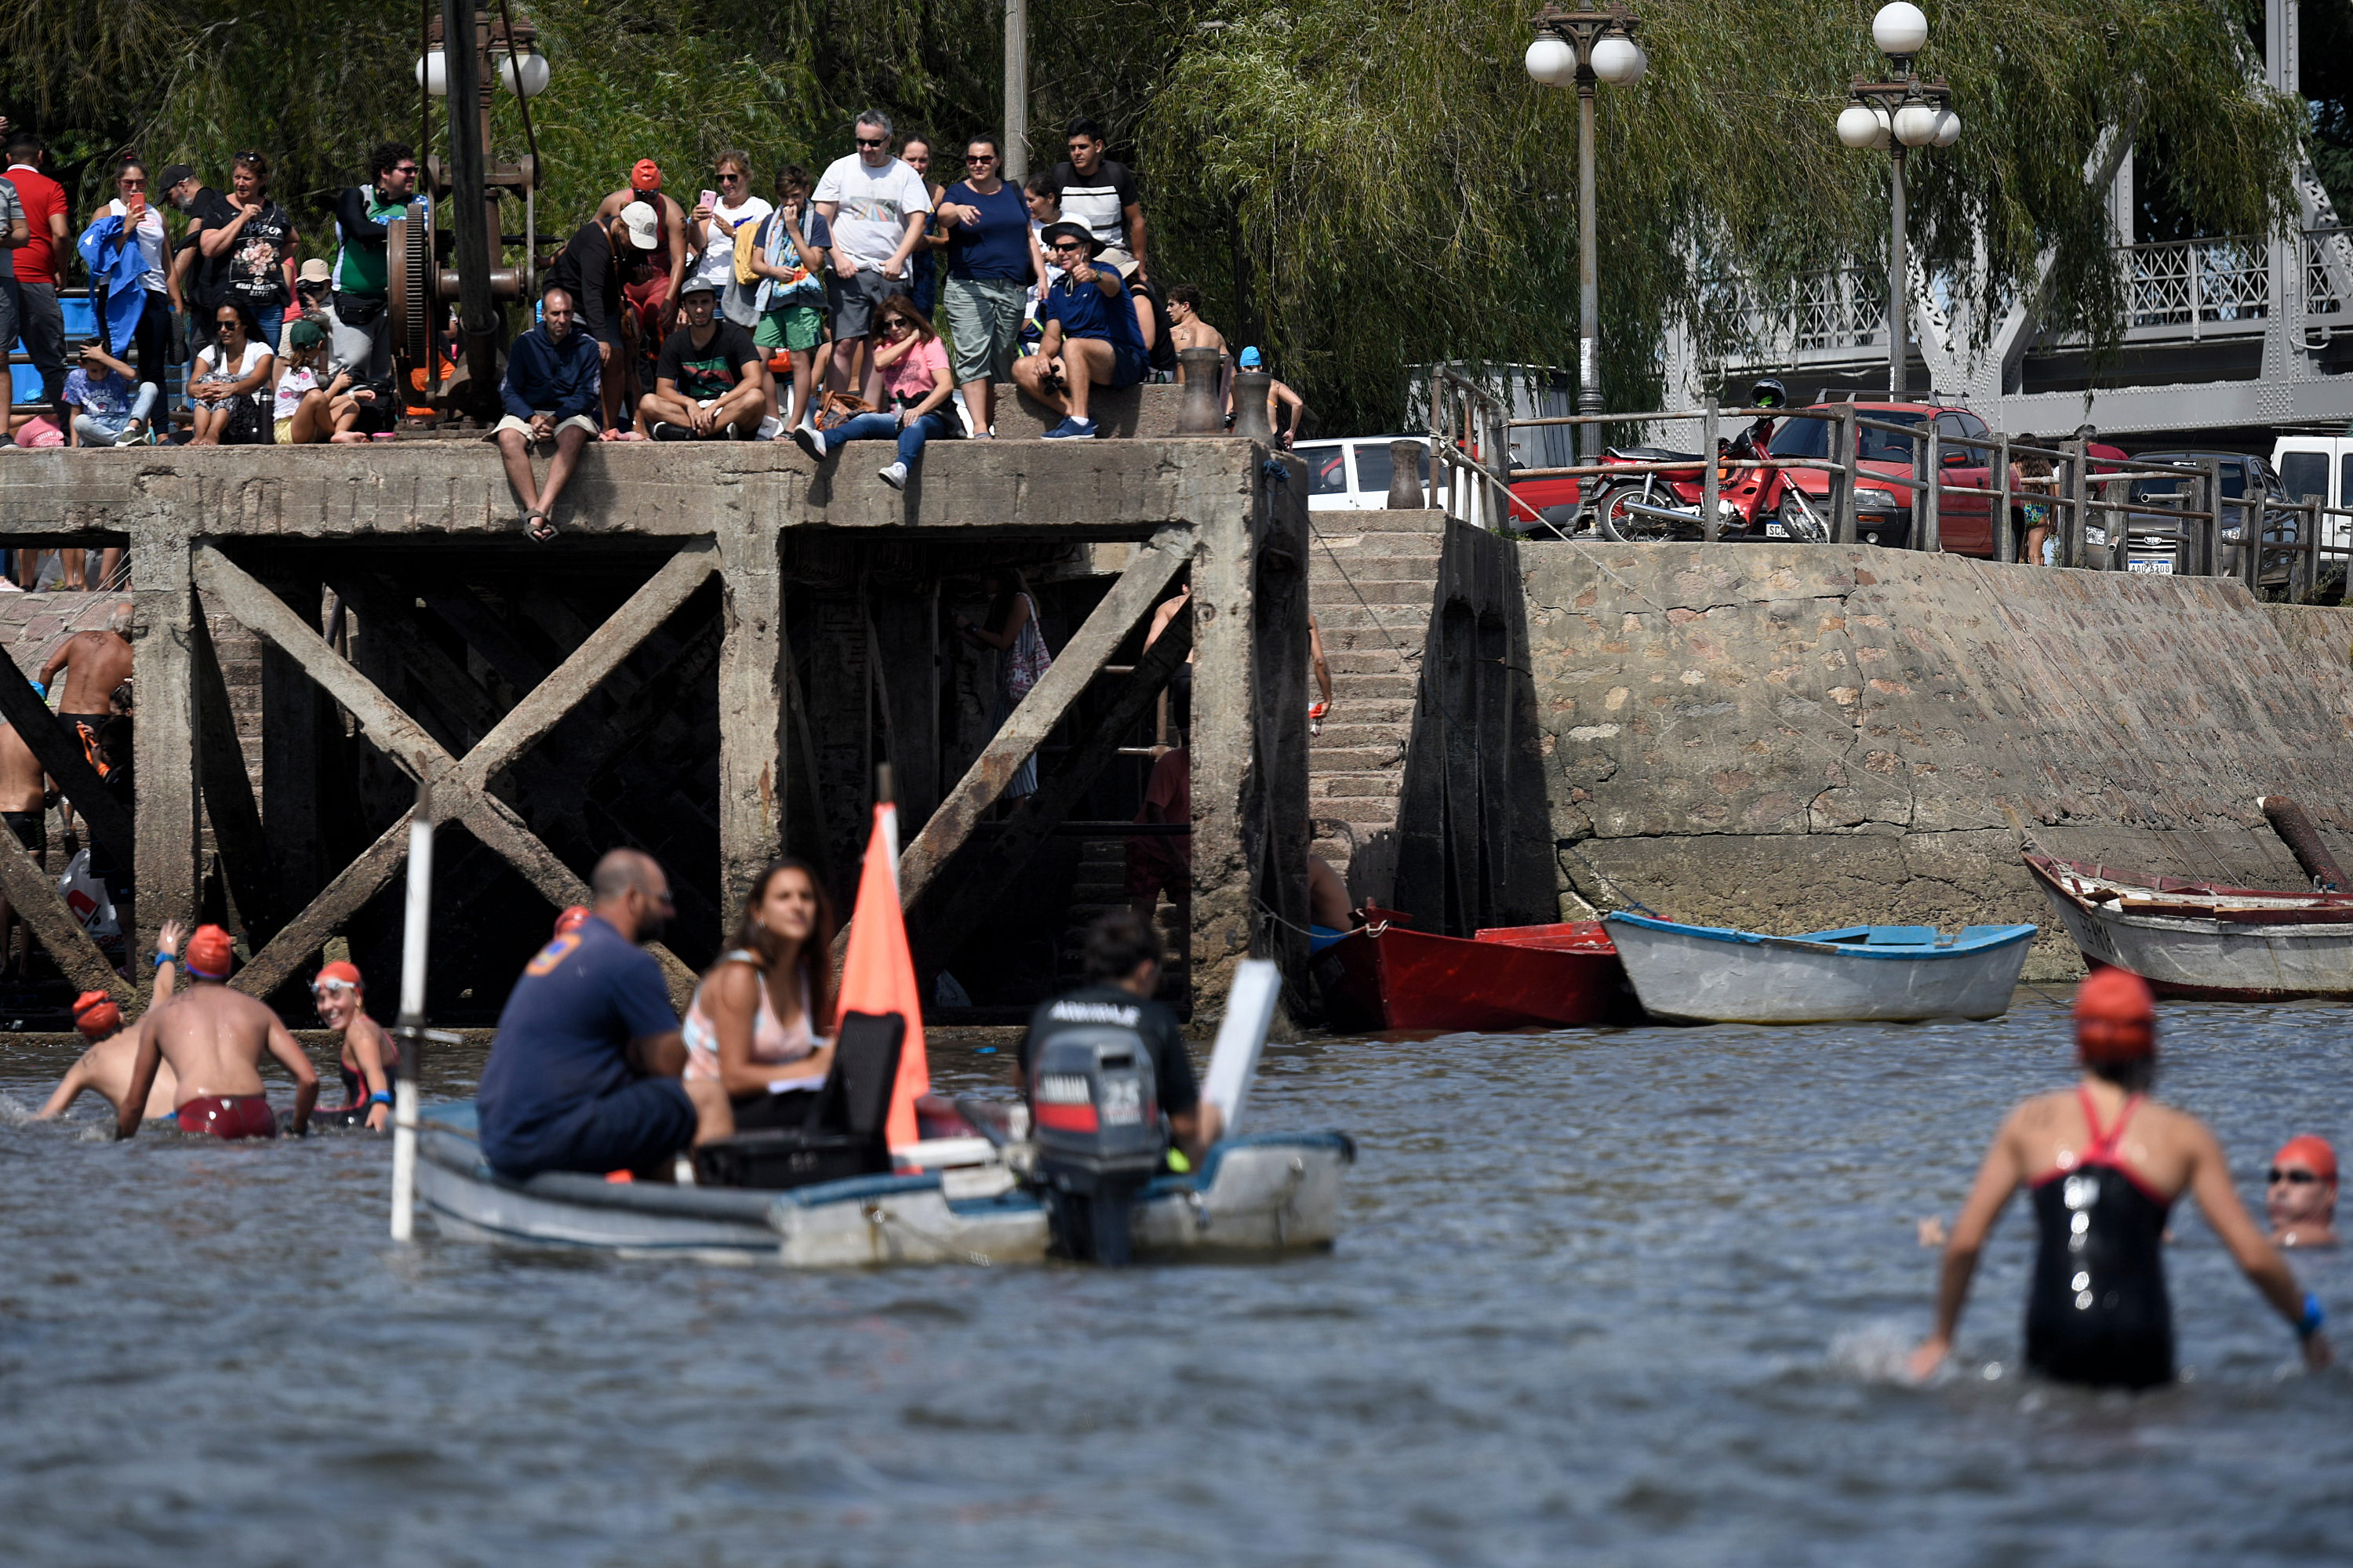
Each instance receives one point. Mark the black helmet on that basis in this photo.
(1768, 393)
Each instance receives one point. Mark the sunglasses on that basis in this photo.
(980, 157)
(1068, 249)
(727, 179)
(2291, 1175)
(404, 168)
(864, 143)
(133, 185)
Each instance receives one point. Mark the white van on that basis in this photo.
(1354, 476)
(2318, 465)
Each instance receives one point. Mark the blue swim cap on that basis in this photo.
(1249, 360)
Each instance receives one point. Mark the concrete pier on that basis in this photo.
(709, 663)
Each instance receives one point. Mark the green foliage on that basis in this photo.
(1358, 186)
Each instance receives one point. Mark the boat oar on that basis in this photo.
(410, 1030)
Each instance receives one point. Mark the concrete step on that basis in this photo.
(1351, 614)
(1338, 738)
(1356, 786)
(1361, 684)
(1330, 590)
(1377, 757)
(1386, 714)
(1370, 547)
(1330, 524)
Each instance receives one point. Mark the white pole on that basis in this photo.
(412, 1015)
(1017, 91)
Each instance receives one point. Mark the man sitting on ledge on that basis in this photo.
(549, 393)
(585, 1072)
(1090, 337)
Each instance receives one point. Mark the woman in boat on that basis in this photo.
(1022, 660)
(369, 1060)
(2106, 1164)
(761, 1019)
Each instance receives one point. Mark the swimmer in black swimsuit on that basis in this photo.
(369, 1058)
(2105, 1165)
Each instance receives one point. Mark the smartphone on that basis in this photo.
(710, 199)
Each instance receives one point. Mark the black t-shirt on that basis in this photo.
(710, 371)
(208, 275)
(586, 269)
(1091, 1007)
(256, 257)
(1099, 200)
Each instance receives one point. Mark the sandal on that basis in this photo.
(536, 525)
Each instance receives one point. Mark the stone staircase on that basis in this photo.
(1372, 619)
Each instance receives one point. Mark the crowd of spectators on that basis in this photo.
(881, 299)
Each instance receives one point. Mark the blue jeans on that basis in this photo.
(882, 426)
(270, 319)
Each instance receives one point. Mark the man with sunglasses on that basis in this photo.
(1088, 335)
(362, 330)
(586, 1072)
(877, 207)
(2300, 1192)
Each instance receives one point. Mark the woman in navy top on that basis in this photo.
(992, 259)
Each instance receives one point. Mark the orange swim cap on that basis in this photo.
(343, 970)
(572, 919)
(95, 1014)
(208, 954)
(2115, 1018)
(2312, 1151)
(646, 176)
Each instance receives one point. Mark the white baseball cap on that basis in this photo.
(645, 226)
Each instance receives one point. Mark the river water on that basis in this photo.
(1625, 1296)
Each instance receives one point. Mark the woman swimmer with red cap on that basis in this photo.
(2104, 1164)
(2300, 1192)
(368, 1058)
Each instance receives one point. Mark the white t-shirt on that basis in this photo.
(290, 389)
(874, 204)
(150, 235)
(718, 262)
(210, 368)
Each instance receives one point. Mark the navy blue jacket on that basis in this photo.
(542, 375)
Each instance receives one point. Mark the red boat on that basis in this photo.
(1386, 975)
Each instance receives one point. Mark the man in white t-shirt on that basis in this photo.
(877, 207)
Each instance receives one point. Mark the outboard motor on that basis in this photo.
(1095, 1112)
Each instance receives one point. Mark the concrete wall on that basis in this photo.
(1788, 736)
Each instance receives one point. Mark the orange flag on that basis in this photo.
(878, 974)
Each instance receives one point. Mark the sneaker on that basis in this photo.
(771, 428)
(1072, 429)
(666, 431)
(811, 439)
(895, 476)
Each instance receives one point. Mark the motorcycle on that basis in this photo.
(1751, 503)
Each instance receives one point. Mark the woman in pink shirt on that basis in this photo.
(917, 384)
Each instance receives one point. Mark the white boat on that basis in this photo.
(1261, 1193)
(2188, 939)
(1713, 974)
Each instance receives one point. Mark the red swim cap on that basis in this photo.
(646, 176)
(95, 1014)
(572, 919)
(2115, 1018)
(341, 970)
(208, 954)
(2312, 1151)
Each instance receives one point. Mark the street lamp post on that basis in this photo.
(1899, 111)
(1584, 48)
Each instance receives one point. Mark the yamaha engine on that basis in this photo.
(1095, 1112)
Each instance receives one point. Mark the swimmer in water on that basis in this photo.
(214, 1039)
(369, 1056)
(2104, 1164)
(2300, 1192)
(105, 1069)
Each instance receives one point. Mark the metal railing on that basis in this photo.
(2092, 514)
(2196, 283)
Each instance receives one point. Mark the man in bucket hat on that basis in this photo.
(1089, 336)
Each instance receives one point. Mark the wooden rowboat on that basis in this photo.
(2188, 939)
(1386, 975)
(1712, 974)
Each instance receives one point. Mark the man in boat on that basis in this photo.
(586, 1072)
(1121, 955)
(214, 1039)
(2300, 1192)
(105, 1069)
(2106, 1164)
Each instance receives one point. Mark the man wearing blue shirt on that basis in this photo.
(1088, 335)
(585, 1072)
(551, 393)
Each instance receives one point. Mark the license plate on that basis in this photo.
(1775, 531)
(2154, 565)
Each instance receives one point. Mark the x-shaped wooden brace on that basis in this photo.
(460, 786)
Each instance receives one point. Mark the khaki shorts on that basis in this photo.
(586, 426)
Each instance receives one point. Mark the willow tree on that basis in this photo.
(1363, 185)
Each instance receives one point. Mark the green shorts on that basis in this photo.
(793, 328)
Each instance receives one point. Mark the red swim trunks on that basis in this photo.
(229, 1116)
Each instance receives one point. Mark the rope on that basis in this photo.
(1623, 897)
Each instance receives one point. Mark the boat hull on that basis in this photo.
(1698, 974)
(1258, 1194)
(1393, 977)
(2216, 945)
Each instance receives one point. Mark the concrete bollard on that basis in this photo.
(1202, 412)
(1406, 457)
(1250, 393)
